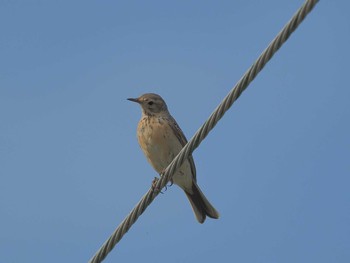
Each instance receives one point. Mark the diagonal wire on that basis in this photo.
(218, 113)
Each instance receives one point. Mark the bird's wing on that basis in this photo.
(182, 138)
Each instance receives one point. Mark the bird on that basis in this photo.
(161, 139)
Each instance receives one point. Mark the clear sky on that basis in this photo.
(277, 166)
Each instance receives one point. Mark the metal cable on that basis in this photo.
(233, 95)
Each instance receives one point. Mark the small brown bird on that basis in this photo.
(161, 139)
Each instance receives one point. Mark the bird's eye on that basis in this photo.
(150, 103)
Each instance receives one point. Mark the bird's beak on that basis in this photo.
(134, 100)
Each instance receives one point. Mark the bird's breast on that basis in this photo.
(158, 142)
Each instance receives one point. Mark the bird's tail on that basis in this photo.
(200, 204)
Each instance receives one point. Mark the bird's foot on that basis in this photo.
(154, 185)
(171, 180)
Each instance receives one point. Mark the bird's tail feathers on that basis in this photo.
(200, 204)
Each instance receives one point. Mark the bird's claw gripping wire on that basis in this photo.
(154, 185)
(171, 181)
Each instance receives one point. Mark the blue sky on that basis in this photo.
(276, 167)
